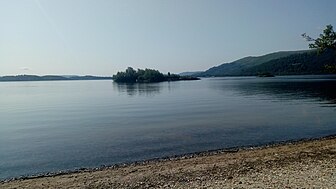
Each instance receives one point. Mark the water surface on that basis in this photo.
(62, 125)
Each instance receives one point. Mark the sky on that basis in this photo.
(102, 37)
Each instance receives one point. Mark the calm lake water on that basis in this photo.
(62, 125)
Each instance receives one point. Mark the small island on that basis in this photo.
(147, 76)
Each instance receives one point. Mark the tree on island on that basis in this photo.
(325, 42)
(147, 76)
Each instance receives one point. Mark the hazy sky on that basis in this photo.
(101, 37)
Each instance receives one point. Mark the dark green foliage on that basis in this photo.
(265, 74)
(147, 76)
(132, 76)
(238, 67)
(326, 41)
(303, 63)
(331, 68)
(129, 76)
(280, 63)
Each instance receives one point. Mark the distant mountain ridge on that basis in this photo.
(278, 63)
(50, 78)
(189, 73)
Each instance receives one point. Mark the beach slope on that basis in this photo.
(305, 164)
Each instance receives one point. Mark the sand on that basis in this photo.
(304, 164)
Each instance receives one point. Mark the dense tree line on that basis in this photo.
(131, 75)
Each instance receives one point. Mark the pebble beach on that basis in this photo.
(302, 164)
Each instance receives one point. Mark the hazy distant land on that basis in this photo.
(277, 63)
(50, 78)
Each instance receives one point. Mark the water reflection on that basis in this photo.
(284, 88)
(183, 117)
(142, 89)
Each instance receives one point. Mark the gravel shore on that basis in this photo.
(305, 164)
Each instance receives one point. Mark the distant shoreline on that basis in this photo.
(288, 75)
(214, 152)
(19, 78)
(81, 78)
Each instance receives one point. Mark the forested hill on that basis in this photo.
(49, 78)
(279, 63)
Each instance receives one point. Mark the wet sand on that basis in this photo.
(303, 164)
